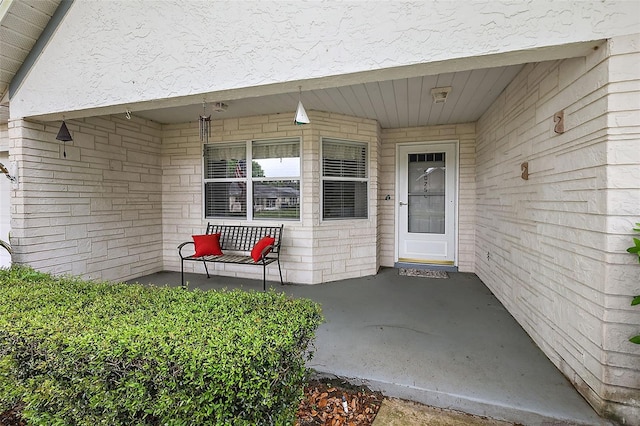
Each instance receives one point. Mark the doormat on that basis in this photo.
(426, 273)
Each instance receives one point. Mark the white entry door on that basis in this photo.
(426, 209)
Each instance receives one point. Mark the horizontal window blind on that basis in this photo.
(342, 200)
(268, 187)
(276, 158)
(341, 159)
(344, 180)
(286, 148)
(225, 199)
(226, 161)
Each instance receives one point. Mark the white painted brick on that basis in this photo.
(466, 208)
(84, 197)
(555, 277)
(308, 246)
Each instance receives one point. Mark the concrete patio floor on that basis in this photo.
(442, 342)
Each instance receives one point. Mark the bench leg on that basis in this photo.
(204, 262)
(264, 277)
(280, 270)
(182, 272)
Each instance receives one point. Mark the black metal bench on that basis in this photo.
(239, 240)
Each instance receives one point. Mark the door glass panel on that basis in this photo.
(426, 193)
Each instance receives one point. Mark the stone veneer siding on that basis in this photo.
(552, 248)
(313, 251)
(5, 195)
(95, 213)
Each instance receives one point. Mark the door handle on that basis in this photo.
(403, 204)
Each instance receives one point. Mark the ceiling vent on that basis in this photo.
(440, 94)
(219, 107)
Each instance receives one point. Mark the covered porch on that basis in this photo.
(540, 213)
(442, 342)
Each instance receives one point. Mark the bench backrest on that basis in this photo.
(243, 238)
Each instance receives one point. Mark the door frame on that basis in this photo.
(427, 143)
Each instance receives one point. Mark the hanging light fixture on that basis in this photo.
(301, 114)
(205, 124)
(64, 136)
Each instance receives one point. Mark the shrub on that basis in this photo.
(635, 249)
(85, 353)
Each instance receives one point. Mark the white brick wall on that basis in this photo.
(552, 248)
(5, 196)
(313, 251)
(95, 213)
(465, 134)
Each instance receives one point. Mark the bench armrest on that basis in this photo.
(182, 245)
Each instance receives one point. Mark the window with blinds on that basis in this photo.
(345, 182)
(269, 186)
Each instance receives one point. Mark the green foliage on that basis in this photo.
(256, 169)
(635, 339)
(635, 249)
(84, 353)
(636, 300)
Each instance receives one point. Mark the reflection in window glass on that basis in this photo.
(224, 161)
(276, 159)
(270, 185)
(426, 177)
(276, 199)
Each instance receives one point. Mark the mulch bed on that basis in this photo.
(12, 417)
(325, 401)
(322, 405)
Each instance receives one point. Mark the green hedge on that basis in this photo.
(85, 353)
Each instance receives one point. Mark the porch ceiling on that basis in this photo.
(405, 102)
(401, 102)
(394, 97)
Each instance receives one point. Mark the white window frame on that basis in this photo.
(324, 178)
(249, 180)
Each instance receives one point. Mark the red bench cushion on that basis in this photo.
(256, 252)
(207, 245)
